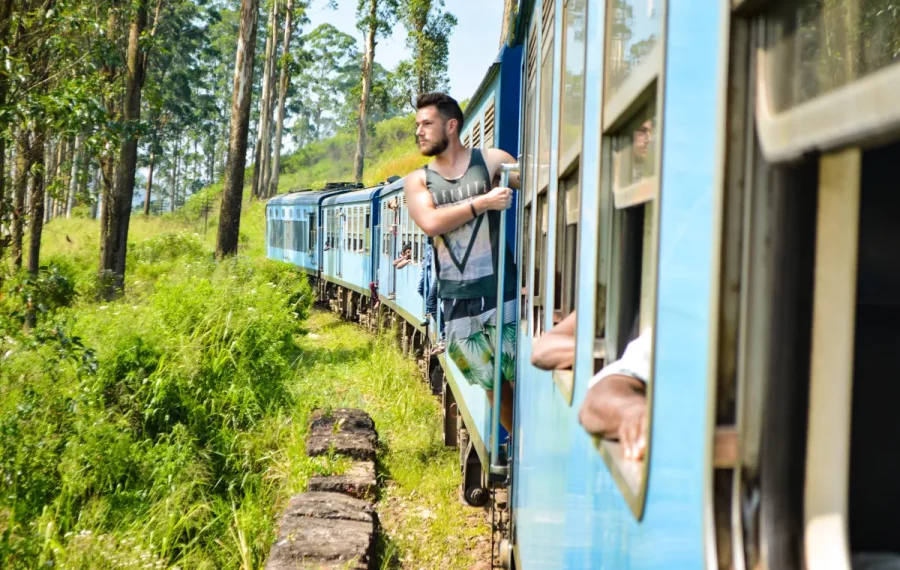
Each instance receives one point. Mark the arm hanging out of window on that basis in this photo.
(555, 349)
(615, 406)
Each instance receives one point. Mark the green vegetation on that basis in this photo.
(390, 151)
(167, 429)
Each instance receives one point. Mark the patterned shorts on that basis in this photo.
(471, 326)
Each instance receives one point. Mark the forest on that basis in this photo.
(117, 107)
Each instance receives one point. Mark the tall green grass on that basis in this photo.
(143, 433)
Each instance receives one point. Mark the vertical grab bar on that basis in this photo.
(495, 467)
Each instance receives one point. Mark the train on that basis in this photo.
(717, 173)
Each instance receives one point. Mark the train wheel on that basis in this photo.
(451, 413)
(474, 492)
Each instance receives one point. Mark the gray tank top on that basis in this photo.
(466, 258)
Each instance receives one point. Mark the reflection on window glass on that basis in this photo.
(634, 34)
(634, 150)
(572, 79)
(543, 157)
(822, 45)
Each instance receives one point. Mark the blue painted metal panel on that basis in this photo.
(568, 511)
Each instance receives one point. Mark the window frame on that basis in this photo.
(645, 85)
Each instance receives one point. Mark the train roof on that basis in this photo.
(300, 197)
(363, 195)
(393, 187)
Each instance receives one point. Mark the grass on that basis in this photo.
(167, 429)
(425, 524)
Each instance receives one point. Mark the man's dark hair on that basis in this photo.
(446, 106)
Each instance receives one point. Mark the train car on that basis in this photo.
(293, 225)
(348, 258)
(621, 151)
(400, 261)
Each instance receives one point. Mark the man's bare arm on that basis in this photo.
(555, 349)
(495, 158)
(436, 221)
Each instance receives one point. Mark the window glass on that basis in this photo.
(819, 46)
(634, 29)
(543, 155)
(572, 99)
(634, 151)
(567, 245)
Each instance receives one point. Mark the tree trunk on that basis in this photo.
(36, 150)
(23, 159)
(283, 81)
(96, 193)
(73, 178)
(359, 162)
(149, 184)
(230, 217)
(174, 181)
(114, 243)
(5, 10)
(271, 40)
(266, 132)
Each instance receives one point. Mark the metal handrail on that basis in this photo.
(495, 467)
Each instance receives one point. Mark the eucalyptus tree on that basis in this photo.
(332, 70)
(428, 29)
(230, 217)
(375, 18)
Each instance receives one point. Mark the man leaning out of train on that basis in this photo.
(453, 200)
(615, 405)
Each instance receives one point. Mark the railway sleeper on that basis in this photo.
(333, 524)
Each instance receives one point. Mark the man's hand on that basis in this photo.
(633, 430)
(616, 408)
(497, 199)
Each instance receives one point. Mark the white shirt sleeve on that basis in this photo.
(635, 362)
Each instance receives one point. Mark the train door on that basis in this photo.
(341, 221)
(810, 290)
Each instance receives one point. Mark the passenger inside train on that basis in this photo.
(453, 199)
(615, 406)
(405, 256)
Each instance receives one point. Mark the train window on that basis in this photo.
(368, 236)
(526, 265)
(544, 122)
(567, 246)
(820, 46)
(489, 126)
(633, 54)
(476, 135)
(288, 233)
(467, 142)
(572, 84)
(634, 163)
(540, 263)
(530, 96)
(625, 295)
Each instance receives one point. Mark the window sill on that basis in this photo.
(565, 381)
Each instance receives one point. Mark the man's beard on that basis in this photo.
(437, 147)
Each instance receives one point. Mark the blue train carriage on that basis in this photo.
(491, 121)
(348, 256)
(293, 226)
(622, 159)
(400, 261)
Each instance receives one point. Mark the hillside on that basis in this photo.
(391, 150)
